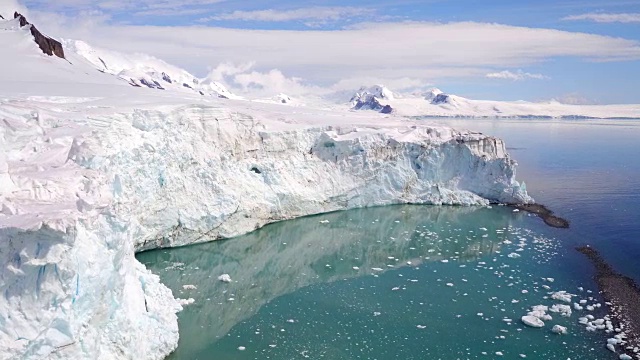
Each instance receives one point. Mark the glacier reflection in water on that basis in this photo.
(379, 283)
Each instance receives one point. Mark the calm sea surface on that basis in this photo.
(424, 282)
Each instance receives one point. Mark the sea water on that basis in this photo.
(423, 282)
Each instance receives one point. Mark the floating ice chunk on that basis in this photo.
(377, 269)
(242, 348)
(421, 326)
(564, 310)
(560, 330)
(449, 284)
(185, 302)
(189, 287)
(532, 321)
(540, 312)
(611, 347)
(356, 268)
(562, 296)
(624, 357)
(224, 278)
(324, 221)
(514, 255)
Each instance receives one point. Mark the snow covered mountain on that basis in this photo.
(93, 169)
(142, 70)
(371, 98)
(435, 103)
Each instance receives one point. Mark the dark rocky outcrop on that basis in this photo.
(387, 109)
(545, 214)
(1, 17)
(440, 99)
(622, 294)
(151, 84)
(48, 45)
(370, 103)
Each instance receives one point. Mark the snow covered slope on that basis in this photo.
(435, 103)
(142, 70)
(92, 170)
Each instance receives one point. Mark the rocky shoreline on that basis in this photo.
(545, 214)
(622, 295)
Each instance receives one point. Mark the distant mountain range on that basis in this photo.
(144, 71)
(435, 103)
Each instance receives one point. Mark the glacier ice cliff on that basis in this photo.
(87, 183)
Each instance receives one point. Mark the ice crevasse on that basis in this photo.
(82, 191)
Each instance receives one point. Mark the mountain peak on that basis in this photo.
(373, 98)
(48, 45)
(379, 91)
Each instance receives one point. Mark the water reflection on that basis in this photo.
(287, 256)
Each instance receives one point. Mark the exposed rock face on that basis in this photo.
(368, 103)
(369, 98)
(48, 45)
(440, 99)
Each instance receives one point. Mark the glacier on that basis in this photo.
(88, 189)
(93, 170)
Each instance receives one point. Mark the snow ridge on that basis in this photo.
(142, 70)
(435, 103)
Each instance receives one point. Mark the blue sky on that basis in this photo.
(594, 56)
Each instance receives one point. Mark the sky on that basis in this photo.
(573, 51)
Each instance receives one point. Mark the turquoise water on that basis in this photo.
(422, 282)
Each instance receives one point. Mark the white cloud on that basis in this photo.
(607, 18)
(424, 52)
(241, 78)
(515, 76)
(8, 7)
(133, 7)
(316, 14)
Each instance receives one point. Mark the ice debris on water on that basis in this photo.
(532, 321)
(185, 302)
(224, 278)
(562, 296)
(560, 330)
(563, 310)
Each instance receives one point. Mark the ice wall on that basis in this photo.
(198, 174)
(84, 186)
